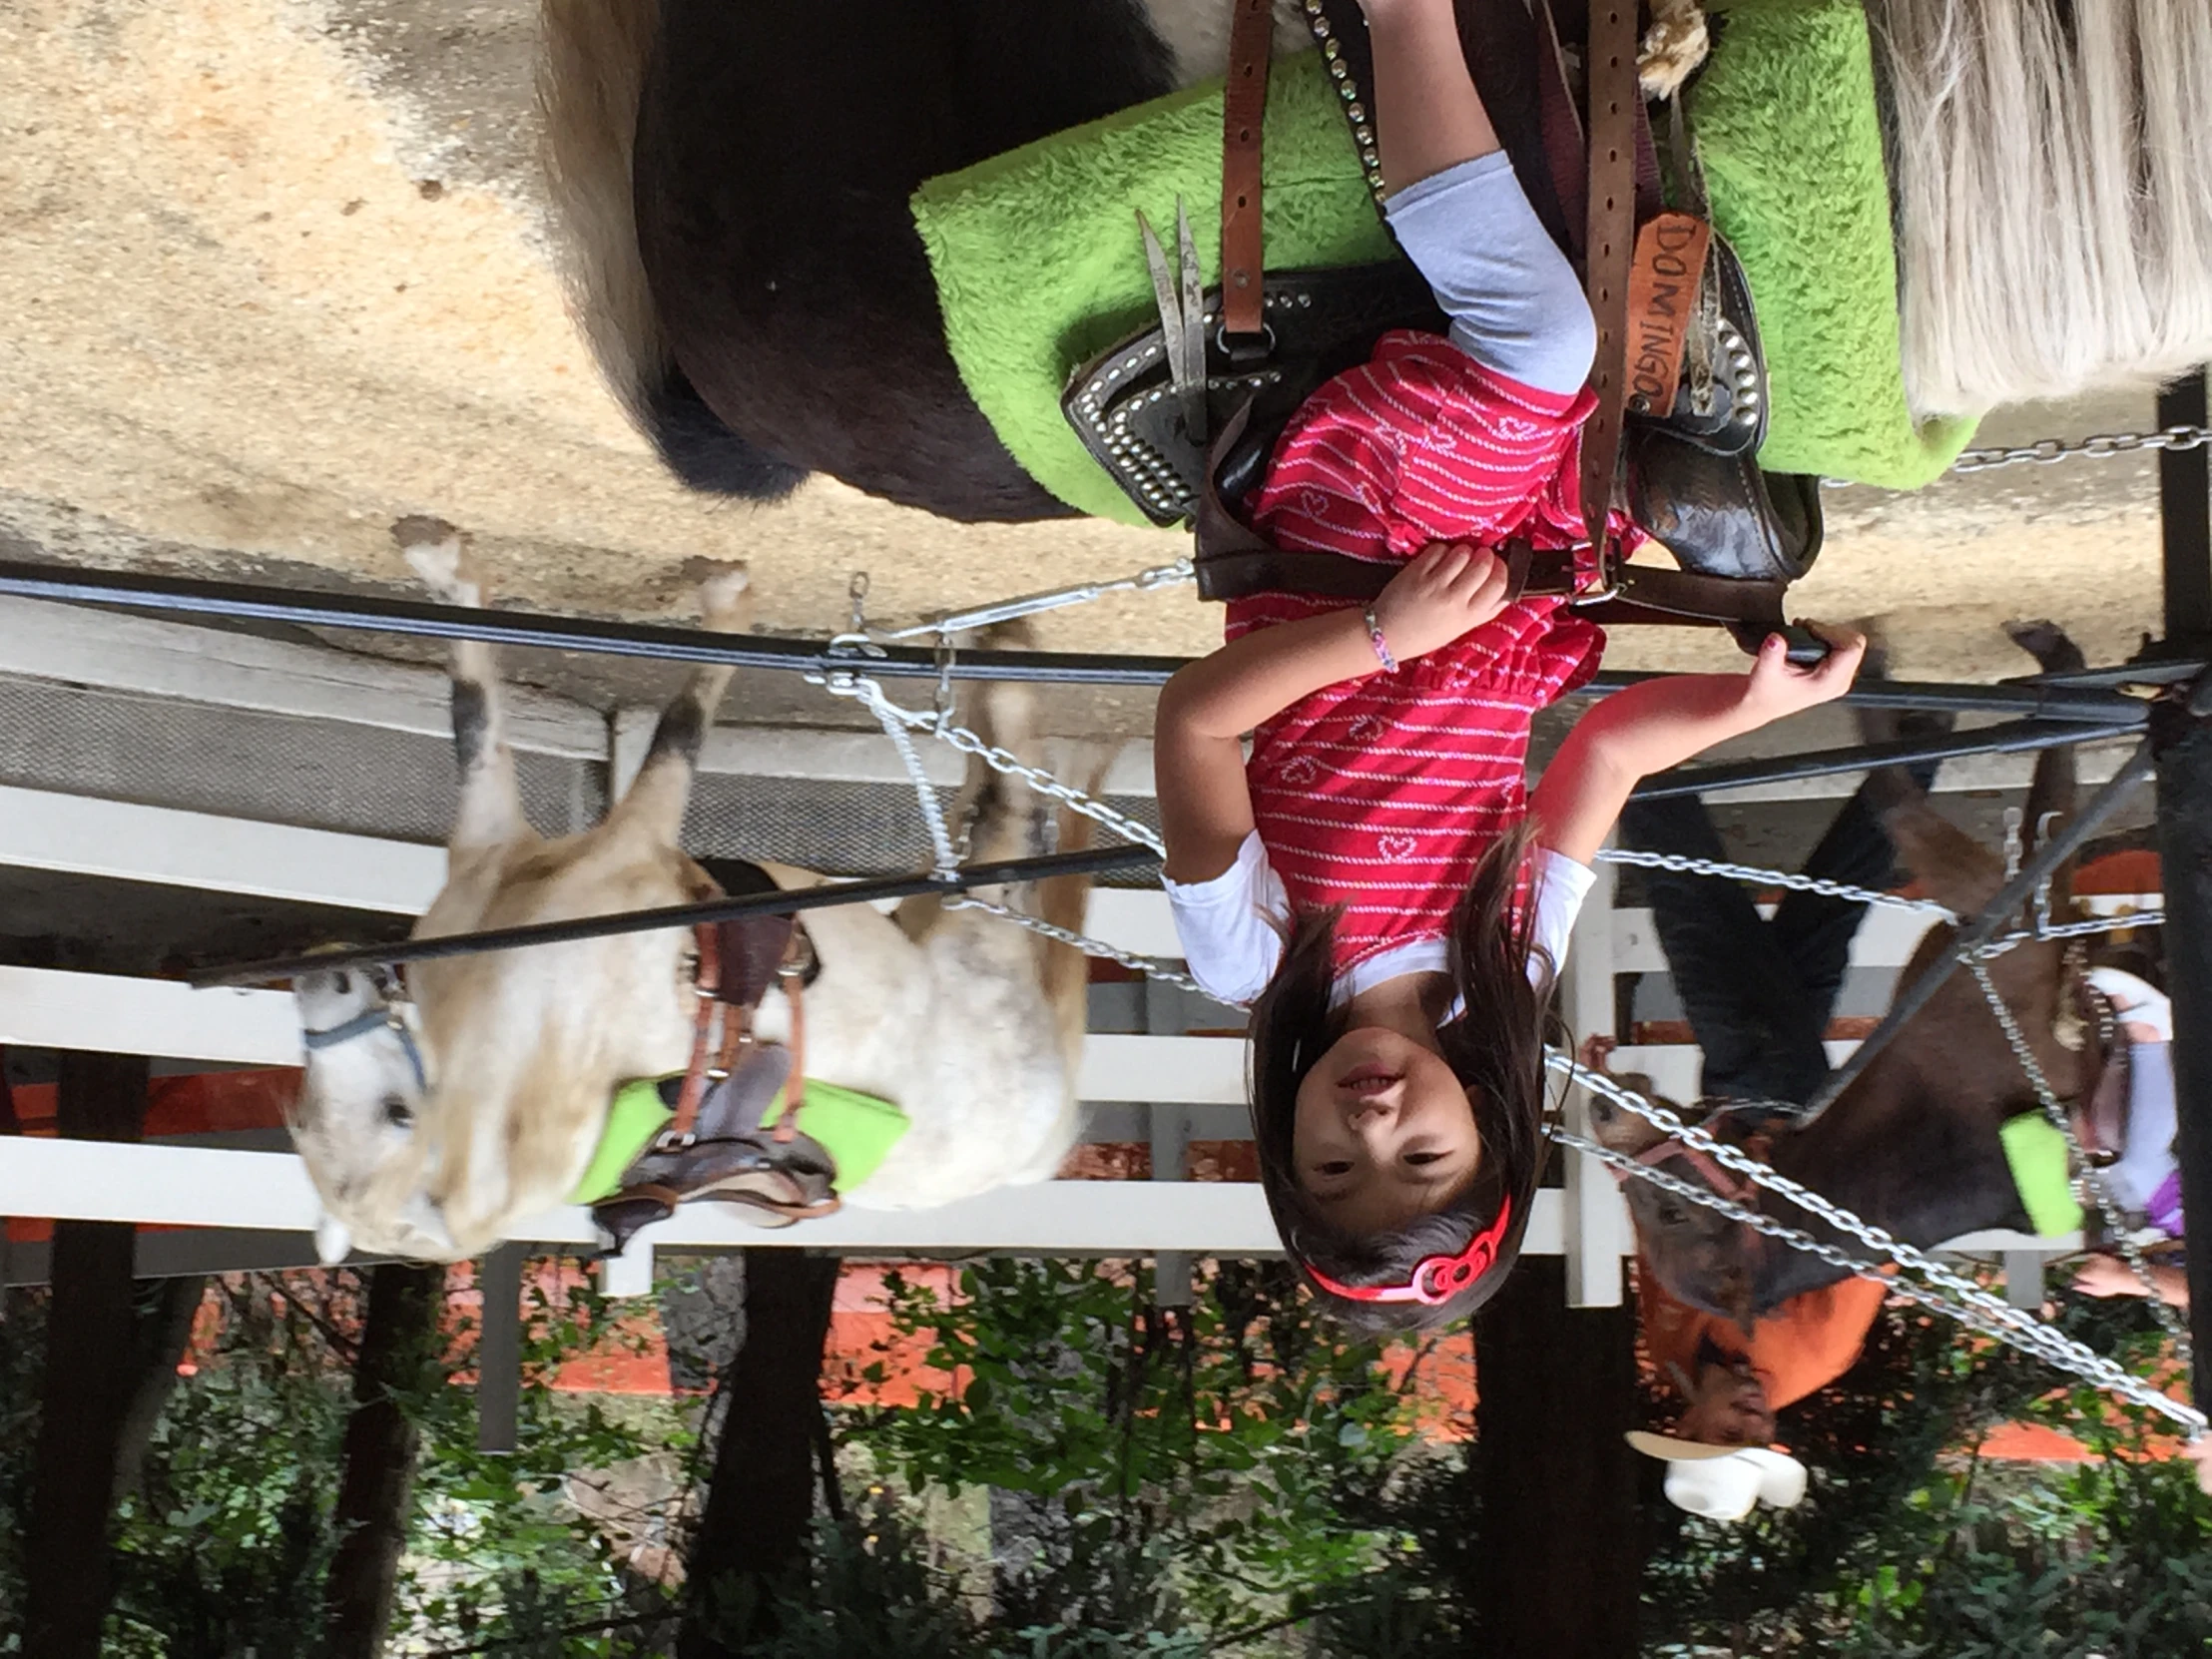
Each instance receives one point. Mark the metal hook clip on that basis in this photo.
(947, 654)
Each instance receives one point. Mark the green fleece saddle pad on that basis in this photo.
(2036, 1153)
(1039, 268)
(857, 1130)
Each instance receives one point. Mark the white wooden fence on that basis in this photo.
(1175, 1087)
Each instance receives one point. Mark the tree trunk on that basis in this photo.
(1561, 1558)
(761, 1505)
(701, 1318)
(89, 1382)
(398, 1351)
(162, 1333)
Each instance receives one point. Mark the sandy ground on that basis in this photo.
(276, 271)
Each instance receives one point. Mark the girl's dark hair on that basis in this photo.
(1496, 1050)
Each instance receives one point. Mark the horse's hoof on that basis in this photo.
(724, 595)
(2048, 644)
(439, 555)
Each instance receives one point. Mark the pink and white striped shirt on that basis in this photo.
(1382, 794)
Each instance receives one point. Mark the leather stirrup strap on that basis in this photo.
(1239, 574)
(705, 993)
(1750, 610)
(1244, 109)
(1614, 101)
(1566, 153)
(794, 1086)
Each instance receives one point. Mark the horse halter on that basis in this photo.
(386, 1015)
(1437, 1279)
(1736, 1188)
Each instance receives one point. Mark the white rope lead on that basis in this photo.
(945, 855)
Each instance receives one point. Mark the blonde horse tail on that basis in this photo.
(2054, 195)
(592, 78)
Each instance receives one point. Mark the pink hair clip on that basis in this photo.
(1439, 1277)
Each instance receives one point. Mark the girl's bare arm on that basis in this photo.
(1204, 711)
(1197, 747)
(1662, 723)
(1427, 114)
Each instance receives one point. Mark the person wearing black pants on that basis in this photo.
(1758, 993)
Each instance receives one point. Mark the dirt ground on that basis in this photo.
(276, 271)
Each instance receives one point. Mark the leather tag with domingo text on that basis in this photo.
(1662, 296)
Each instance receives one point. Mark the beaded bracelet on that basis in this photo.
(1374, 638)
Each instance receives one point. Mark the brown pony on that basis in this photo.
(1912, 1146)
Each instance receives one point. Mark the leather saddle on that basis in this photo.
(1675, 448)
(715, 1148)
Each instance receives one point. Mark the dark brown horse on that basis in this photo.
(1912, 1146)
(731, 187)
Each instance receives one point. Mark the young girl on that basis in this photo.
(1375, 876)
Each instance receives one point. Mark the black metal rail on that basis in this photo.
(375, 614)
(1096, 861)
(2010, 738)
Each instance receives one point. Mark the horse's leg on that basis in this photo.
(654, 803)
(2051, 790)
(1012, 820)
(490, 811)
(2037, 987)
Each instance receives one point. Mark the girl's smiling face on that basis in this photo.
(1384, 1131)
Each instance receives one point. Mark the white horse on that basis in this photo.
(433, 1125)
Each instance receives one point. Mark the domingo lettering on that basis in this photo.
(1662, 294)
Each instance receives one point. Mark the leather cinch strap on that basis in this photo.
(708, 941)
(1237, 575)
(1244, 109)
(1614, 103)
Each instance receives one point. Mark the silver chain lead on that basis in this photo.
(1145, 965)
(1971, 1304)
(2101, 447)
(869, 694)
(1682, 863)
(2045, 930)
(1179, 574)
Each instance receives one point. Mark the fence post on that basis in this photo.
(1596, 1234)
(2183, 743)
(499, 1350)
(1172, 1270)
